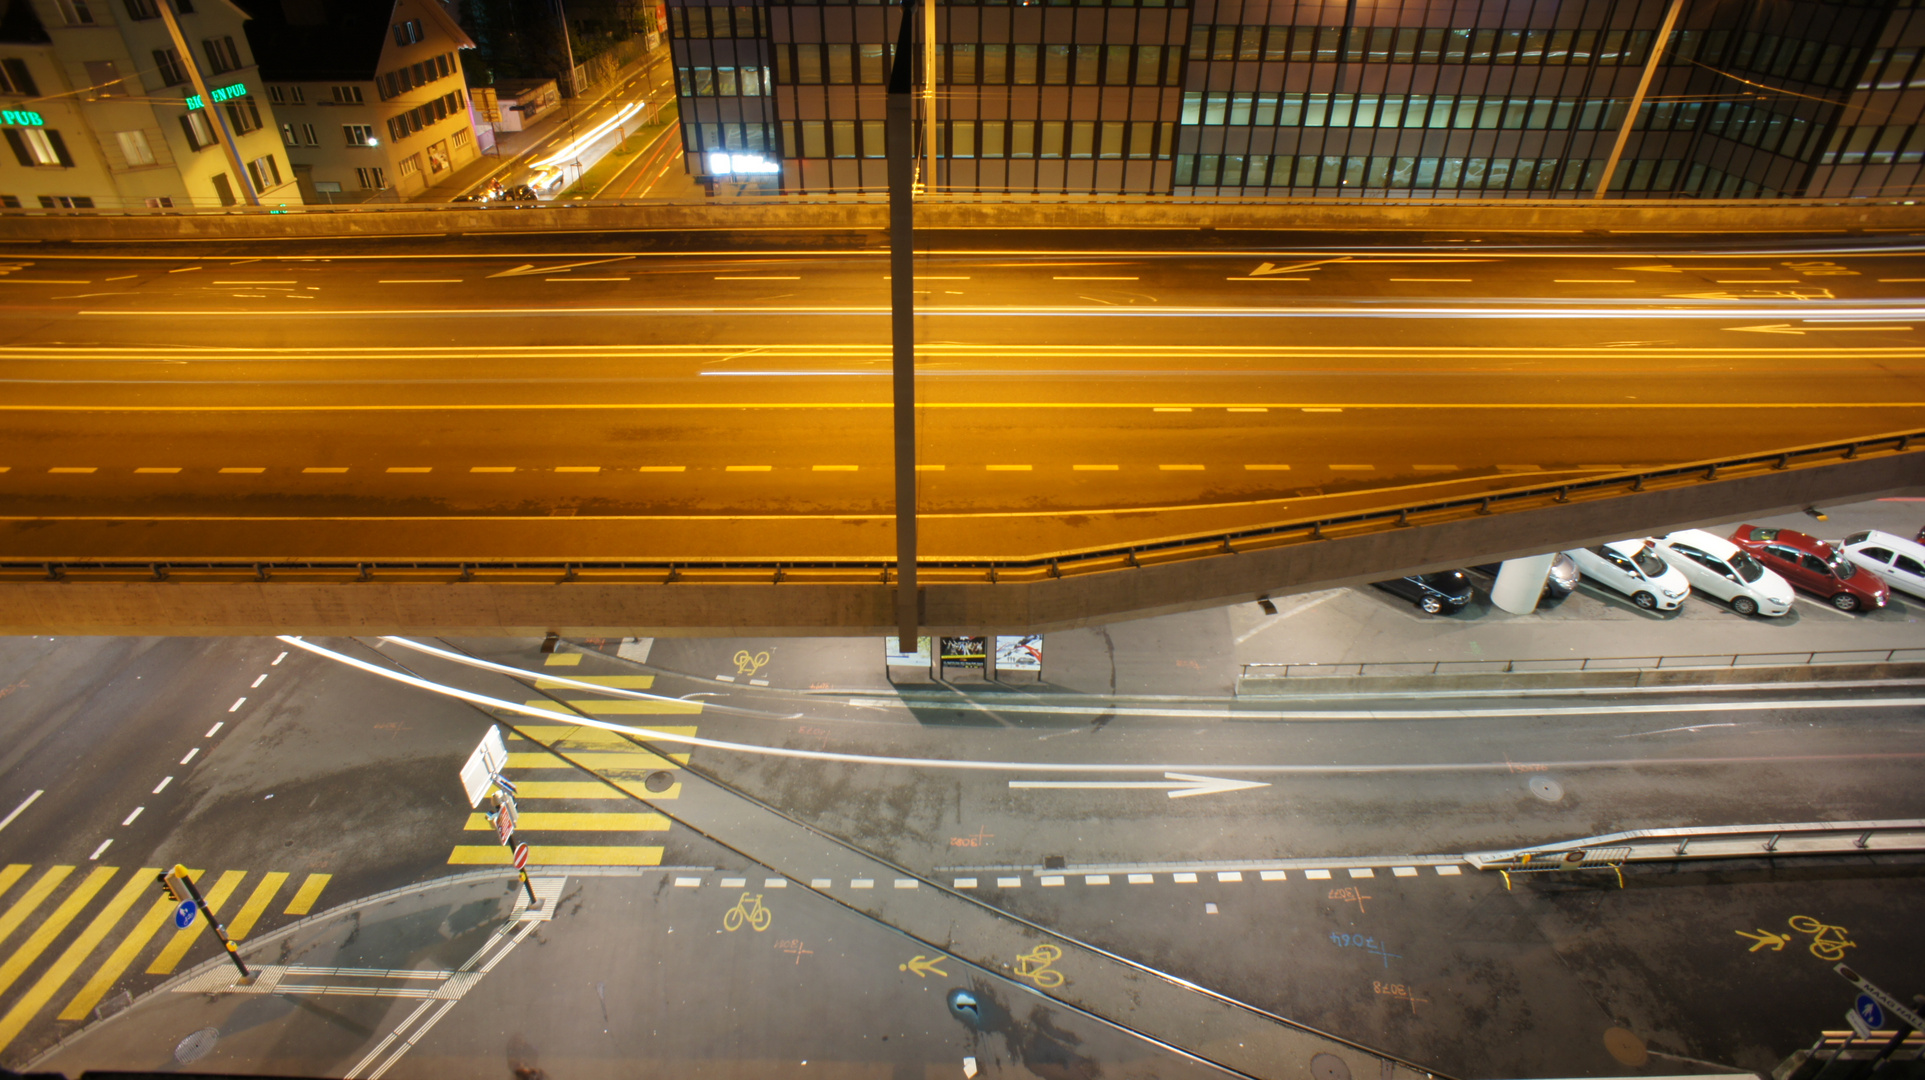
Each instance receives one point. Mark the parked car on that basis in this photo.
(1896, 560)
(1810, 564)
(1433, 594)
(1560, 582)
(1633, 568)
(1721, 568)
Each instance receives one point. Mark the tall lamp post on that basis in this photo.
(569, 49)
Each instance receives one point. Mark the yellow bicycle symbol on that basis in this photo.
(1828, 942)
(749, 665)
(1034, 965)
(748, 909)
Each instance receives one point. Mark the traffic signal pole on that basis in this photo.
(178, 881)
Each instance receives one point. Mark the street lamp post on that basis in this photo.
(899, 135)
(1637, 97)
(568, 48)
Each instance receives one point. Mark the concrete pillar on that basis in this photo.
(1520, 582)
(989, 657)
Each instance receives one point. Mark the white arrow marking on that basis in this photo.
(526, 269)
(1661, 269)
(1185, 784)
(1787, 328)
(1271, 268)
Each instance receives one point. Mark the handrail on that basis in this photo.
(1047, 565)
(1391, 668)
(1723, 842)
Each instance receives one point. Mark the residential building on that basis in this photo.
(98, 110)
(370, 94)
(1450, 98)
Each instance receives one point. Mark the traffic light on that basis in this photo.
(174, 883)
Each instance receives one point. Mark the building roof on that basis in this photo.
(327, 40)
(20, 26)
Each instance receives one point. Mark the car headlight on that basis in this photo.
(1674, 594)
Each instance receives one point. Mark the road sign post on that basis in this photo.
(521, 871)
(1872, 1008)
(180, 885)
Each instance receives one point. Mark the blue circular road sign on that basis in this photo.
(184, 916)
(1868, 1011)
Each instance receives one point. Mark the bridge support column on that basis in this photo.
(1520, 582)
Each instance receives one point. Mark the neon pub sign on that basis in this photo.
(219, 94)
(21, 118)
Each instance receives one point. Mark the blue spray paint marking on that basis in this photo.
(1368, 944)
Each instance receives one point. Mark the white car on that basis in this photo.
(1633, 568)
(1717, 566)
(1897, 561)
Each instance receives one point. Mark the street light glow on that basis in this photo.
(569, 152)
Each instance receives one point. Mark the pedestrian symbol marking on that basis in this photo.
(923, 967)
(1765, 939)
(1868, 1011)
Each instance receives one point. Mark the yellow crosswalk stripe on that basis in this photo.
(619, 682)
(562, 659)
(554, 855)
(536, 822)
(36, 893)
(183, 939)
(256, 904)
(634, 761)
(310, 892)
(12, 873)
(123, 955)
(606, 707)
(70, 959)
(43, 935)
(590, 789)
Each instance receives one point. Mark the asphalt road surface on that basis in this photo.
(254, 402)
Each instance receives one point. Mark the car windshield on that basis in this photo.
(1649, 562)
(1747, 567)
(1856, 538)
(1842, 567)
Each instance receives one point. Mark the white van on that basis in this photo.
(1721, 568)
(1895, 560)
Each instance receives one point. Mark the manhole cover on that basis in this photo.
(659, 781)
(1329, 1067)
(1625, 1046)
(199, 1044)
(1546, 788)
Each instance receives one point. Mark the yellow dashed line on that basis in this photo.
(325, 469)
(411, 468)
(562, 659)
(242, 469)
(156, 469)
(72, 469)
(1240, 408)
(1267, 468)
(661, 468)
(578, 468)
(1093, 468)
(832, 468)
(1181, 468)
(1353, 468)
(749, 468)
(492, 468)
(1170, 408)
(1310, 409)
(931, 468)
(1008, 468)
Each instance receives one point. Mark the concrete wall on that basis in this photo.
(693, 608)
(847, 215)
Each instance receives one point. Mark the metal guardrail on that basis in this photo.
(1715, 842)
(879, 198)
(992, 571)
(1382, 669)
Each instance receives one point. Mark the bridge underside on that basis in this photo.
(1027, 593)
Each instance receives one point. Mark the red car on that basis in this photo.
(1811, 564)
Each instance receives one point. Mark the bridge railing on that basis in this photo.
(1714, 661)
(1715, 842)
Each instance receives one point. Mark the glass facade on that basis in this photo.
(1519, 99)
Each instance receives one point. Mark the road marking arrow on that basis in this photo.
(1664, 269)
(1272, 268)
(923, 967)
(527, 269)
(1764, 939)
(1755, 294)
(1268, 269)
(1787, 328)
(1183, 786)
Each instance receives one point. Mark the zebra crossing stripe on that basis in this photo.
(44, 934)
(122, 957)
(256, 904)
(36, 893)
(310, 892)
(74, 955)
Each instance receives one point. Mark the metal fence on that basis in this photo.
(1571, 663)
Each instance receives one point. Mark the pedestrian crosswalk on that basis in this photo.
(55, 923)
(566, 818)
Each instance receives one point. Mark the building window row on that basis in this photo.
(287, 95)
(1458, 112)
(16, 79)
(986, 139)
(1418, 45)
(243, 116)
(1452, 174)
(1005, 3)
(39, 146)
(839, 64)
(222, 55)
(347, 95)
(401, 80)
(724, 82)
(199, 130)
(65, 202)
(1759, 127)
(718, 22)
(1060, 65)
(1875, 144)
(298, 135)
(264, 172)
(372, 177)
(167, 64)
(1892, 69)
(400, 127)
(358, 134)
(697, 139)
(407, 33)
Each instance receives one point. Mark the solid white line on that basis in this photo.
(24, 803)
(163, 785)
(132, 816)
(101, 848)
(210, 731)
(1032, 766)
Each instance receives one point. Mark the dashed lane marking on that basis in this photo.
(1266, 468)
(325, 469)
(1180, 468)
(747, 468)
(578, 468)
(492, 469)
(1009, 468)
(72, 468)
(1093, 468)
(410, 468)
(244, 469)
(158, 469)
